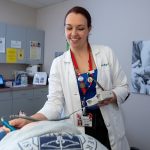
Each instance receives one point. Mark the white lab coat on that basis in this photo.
(63, 92)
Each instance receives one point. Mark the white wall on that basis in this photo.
(115, 23)
(16, 14)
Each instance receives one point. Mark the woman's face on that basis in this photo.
(76, 30)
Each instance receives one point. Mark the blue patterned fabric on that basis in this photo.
(60, 141)
(91, 90)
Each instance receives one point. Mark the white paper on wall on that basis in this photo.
(2, 45)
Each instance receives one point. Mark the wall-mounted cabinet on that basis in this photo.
(35, 46)
(23, 45)
(2, 35)
(16, 38)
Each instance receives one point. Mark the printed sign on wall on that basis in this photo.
(35, 50)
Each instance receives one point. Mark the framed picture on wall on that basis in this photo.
(140, 70)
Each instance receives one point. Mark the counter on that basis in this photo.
(30, 86)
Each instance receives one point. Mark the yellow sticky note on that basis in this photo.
(11, 55)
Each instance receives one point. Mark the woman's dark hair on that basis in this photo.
(80, 10)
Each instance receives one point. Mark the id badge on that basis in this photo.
(78, 119)
(85, 121)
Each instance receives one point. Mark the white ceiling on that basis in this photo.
(37, 3)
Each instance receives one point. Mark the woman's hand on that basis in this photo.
(17, 123)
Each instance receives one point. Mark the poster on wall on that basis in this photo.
(35, 50)
(140, 70)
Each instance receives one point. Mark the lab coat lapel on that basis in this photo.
(72, 82)
(96, 56)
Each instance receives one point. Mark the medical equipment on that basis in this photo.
(34, 120)
(101, 95)
(6, 124)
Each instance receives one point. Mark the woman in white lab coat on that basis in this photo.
(73, 80)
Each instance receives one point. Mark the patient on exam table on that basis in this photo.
(49, 135)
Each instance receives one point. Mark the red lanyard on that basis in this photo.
(82, 84)
(76, 65)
